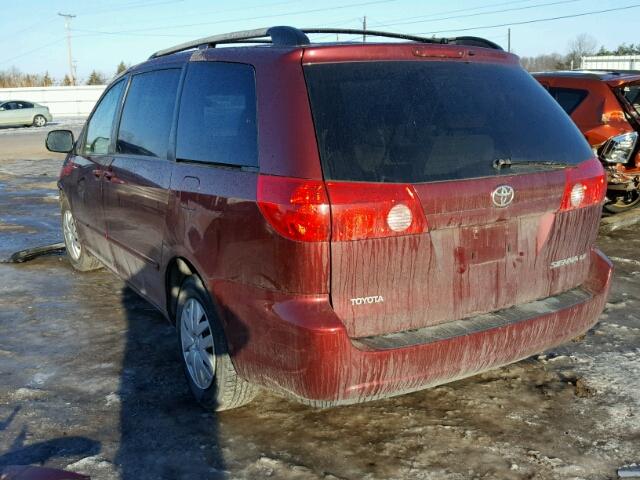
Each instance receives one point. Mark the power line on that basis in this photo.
(28, 52)
(129, 6)
(527, 7)
(525, 22)
(29, 28)
(448, 12)
(89, 33)
(260, 17)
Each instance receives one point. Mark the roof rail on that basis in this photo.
(469, 41)
(276, 35)
(291, 36)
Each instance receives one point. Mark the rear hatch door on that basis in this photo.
(473, 237)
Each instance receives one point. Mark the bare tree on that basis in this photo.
(544, 62)
(583, 45)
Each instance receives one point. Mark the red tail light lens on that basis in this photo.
(299, 209)
(374, 210)
(296, 208)
(585, 185)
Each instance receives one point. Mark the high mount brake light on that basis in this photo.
(312, 211)
(585, 186)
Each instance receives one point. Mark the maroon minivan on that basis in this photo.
(339, 222)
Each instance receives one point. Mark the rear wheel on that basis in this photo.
(624, 202)
(205, 359)
(78, 256)
(39, 121)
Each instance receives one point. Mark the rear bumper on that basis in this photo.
(299, 346)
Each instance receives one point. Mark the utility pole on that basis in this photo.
(364, 29)
(509, 40)
(67, 23)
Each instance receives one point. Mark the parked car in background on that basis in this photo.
(339, 222)
(606, 108)
(20, 112)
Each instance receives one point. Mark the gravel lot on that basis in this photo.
(90, 381)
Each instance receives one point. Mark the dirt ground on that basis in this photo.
(90, 381)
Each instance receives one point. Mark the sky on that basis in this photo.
(33, 39)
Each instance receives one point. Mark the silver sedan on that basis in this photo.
(20, 112)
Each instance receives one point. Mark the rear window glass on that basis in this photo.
(632, 94)
(217, 120)
(568, 98)
(426, 121)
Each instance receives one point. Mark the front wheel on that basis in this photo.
(39, 121)
(78, 256)
(205, 359)
(622, 203)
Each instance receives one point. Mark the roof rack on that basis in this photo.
(293, 37)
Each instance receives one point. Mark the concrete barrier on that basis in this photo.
(611, 62)
(75, 101)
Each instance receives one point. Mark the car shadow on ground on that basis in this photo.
(164, 432)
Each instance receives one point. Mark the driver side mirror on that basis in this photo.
(60, 141)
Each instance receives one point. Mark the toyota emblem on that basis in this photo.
(502, 196)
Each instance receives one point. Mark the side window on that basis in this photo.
(25, 105)
(568, 98)
(217, 121)
(148, 113)
(100, 125)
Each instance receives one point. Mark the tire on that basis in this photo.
(203, 352)
(39, 121)
(629, 201)
(79, 258)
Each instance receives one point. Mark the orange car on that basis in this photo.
(606, 108)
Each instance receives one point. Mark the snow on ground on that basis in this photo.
(89, 380)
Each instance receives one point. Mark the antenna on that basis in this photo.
(67, 23)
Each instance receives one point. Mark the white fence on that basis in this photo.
(611, 62)
(62, 101)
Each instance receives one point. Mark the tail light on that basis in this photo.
(312, 211)
(374, 210)
(297, 209)
(585, 185)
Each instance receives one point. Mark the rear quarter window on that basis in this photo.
(422, 121)
(148, 113)
(568, 98)
(217, 119)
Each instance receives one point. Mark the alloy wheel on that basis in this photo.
(197, 344)
(70, 232)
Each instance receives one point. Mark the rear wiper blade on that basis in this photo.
(499, 163)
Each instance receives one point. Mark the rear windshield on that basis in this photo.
(568, 98)
(426, 121)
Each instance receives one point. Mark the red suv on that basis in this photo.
(606, 108)
(339, 222)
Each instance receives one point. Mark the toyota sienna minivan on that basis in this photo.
(339, 222)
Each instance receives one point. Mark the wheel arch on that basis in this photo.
(178, 269)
